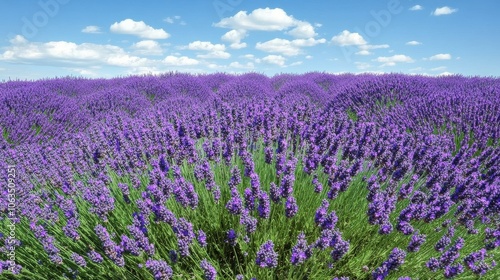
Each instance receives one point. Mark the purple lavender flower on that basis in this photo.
(433, 264)
(79, 260)
(266, 256)
(318, 187)
(95, 257)
(416, 241)
(174, 257)
(162, 214)
(125, 192)
(209, 270)
(235, 179)
(113, 251)
(248, 221)
(339, 250)
(442, 243)
(405, 227)
(301, 251)
(231, 236)
(291, 207)
(452, 254)
(396, 259)
(202, 238)
(264, 207)
(321, 212)
(160, 269)
(185, 236)
(235, 204)
(385, 228)
(476, 262)
(274, 193)
(451, 271)
(249, 199)
(130, 245)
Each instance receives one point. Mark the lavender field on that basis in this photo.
(219, 176)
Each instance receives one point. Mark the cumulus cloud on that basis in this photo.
(267, 19)
(441, 56)
(172, 60)
(138, 28)
(147, 47)
(287, 47)
(416, 8)
(275, 59)
(234, 37)
(217, 51)
(92, 29)
(346, 38)
(303, 30)
(444, 11)
(205, 46)
(87, 55)
(392, 60)
(236, 64)
(68, 53)
(413, 43)
(215, 55)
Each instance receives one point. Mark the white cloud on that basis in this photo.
(138, 28)
(392, 60)
(446, 74)
(234, 37)
(179, 61)
(259, 19)
(303, 30)
(84, 72)
(92, 29)
(413, 43)
(21, 49)
(18, 40)
(236, 64)
(444, 11)
(205, 46)
(296, 63)
(416, 8)
(147, 47)
(275, 59)
(69, 53)
(216, 55)
(287, 47)
(309, 57)
(441, 56)
(346, 38)
(268, 19)
(217, 51)
(364, 52)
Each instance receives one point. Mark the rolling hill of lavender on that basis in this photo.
(219, 176)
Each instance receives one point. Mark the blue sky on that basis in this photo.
(91, 38)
